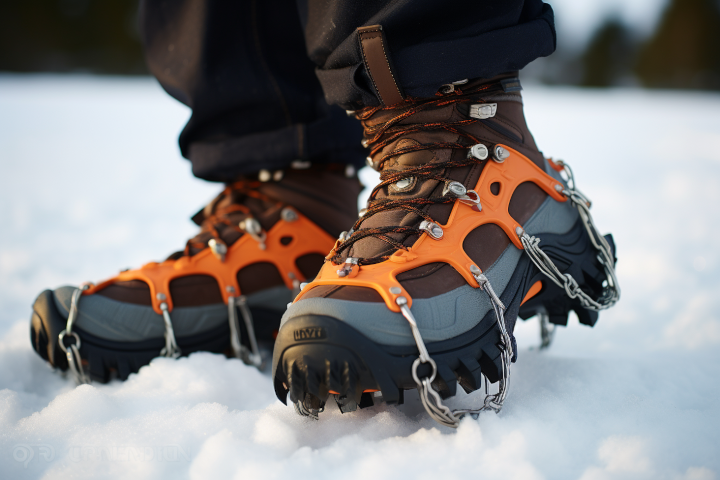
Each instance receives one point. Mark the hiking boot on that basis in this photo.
(225, 292)
(424, 290)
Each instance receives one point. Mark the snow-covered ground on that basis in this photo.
(91, 181)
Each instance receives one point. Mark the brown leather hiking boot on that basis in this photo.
(424, 291)
(225, 292)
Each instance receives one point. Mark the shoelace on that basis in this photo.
(221, 215)
(381, 135)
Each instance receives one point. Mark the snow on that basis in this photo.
(92, 182)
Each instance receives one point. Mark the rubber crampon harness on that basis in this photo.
(443, 243)
(222, 263)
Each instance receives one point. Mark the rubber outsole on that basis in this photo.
(317, 356)
(105, 360)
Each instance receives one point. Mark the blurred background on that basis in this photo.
(601, 43)
(91, 181)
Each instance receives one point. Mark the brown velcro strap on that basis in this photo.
(377, 64)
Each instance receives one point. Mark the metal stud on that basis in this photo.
(479, 151)
(161, 297)
(218, 248)
(395, 290)
(345, 235)
(558, 187)
(500, 154)
(434, 230)
(288, 214)
(251, 226)
(350, 262)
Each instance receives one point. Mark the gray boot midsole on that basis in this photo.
(126, 322)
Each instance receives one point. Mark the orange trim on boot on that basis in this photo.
(555, 166)
(534, 290)
(382, 277)
(306, 238)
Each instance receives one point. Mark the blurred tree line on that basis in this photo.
(101, 36)
(682, 52)
(98, 36)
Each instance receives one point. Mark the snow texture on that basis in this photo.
(92, 182)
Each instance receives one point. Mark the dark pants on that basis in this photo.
(266, 79)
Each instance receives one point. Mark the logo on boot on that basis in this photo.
(310, 333)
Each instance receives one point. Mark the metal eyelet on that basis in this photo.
(403, 185)
(450, 87)
(479, 151)
(500, 154)
(345, 235)
(433, 230)
(218, 248)
(347, 267)
(481, 111)
(288, 214)
(465, 196)
(253, 228)
(456, 189)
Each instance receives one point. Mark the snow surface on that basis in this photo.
(92, 182)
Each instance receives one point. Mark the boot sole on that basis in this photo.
(317, 356)
(105, 360)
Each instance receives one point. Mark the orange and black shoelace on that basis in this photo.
(379, 136)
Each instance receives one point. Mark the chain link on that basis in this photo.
(171, 349)
(249, 356)
(428, 396)
(611, 289)
(611, 294)
(72, 351)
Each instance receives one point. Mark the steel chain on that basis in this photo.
(72, 351)
(251, 356)
(428, 396)
(171, 348)
(611, 289)
(611, 294)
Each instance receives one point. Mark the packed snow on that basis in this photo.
(92, 182)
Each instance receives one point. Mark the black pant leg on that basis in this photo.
(430, 42)
(241, 66)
